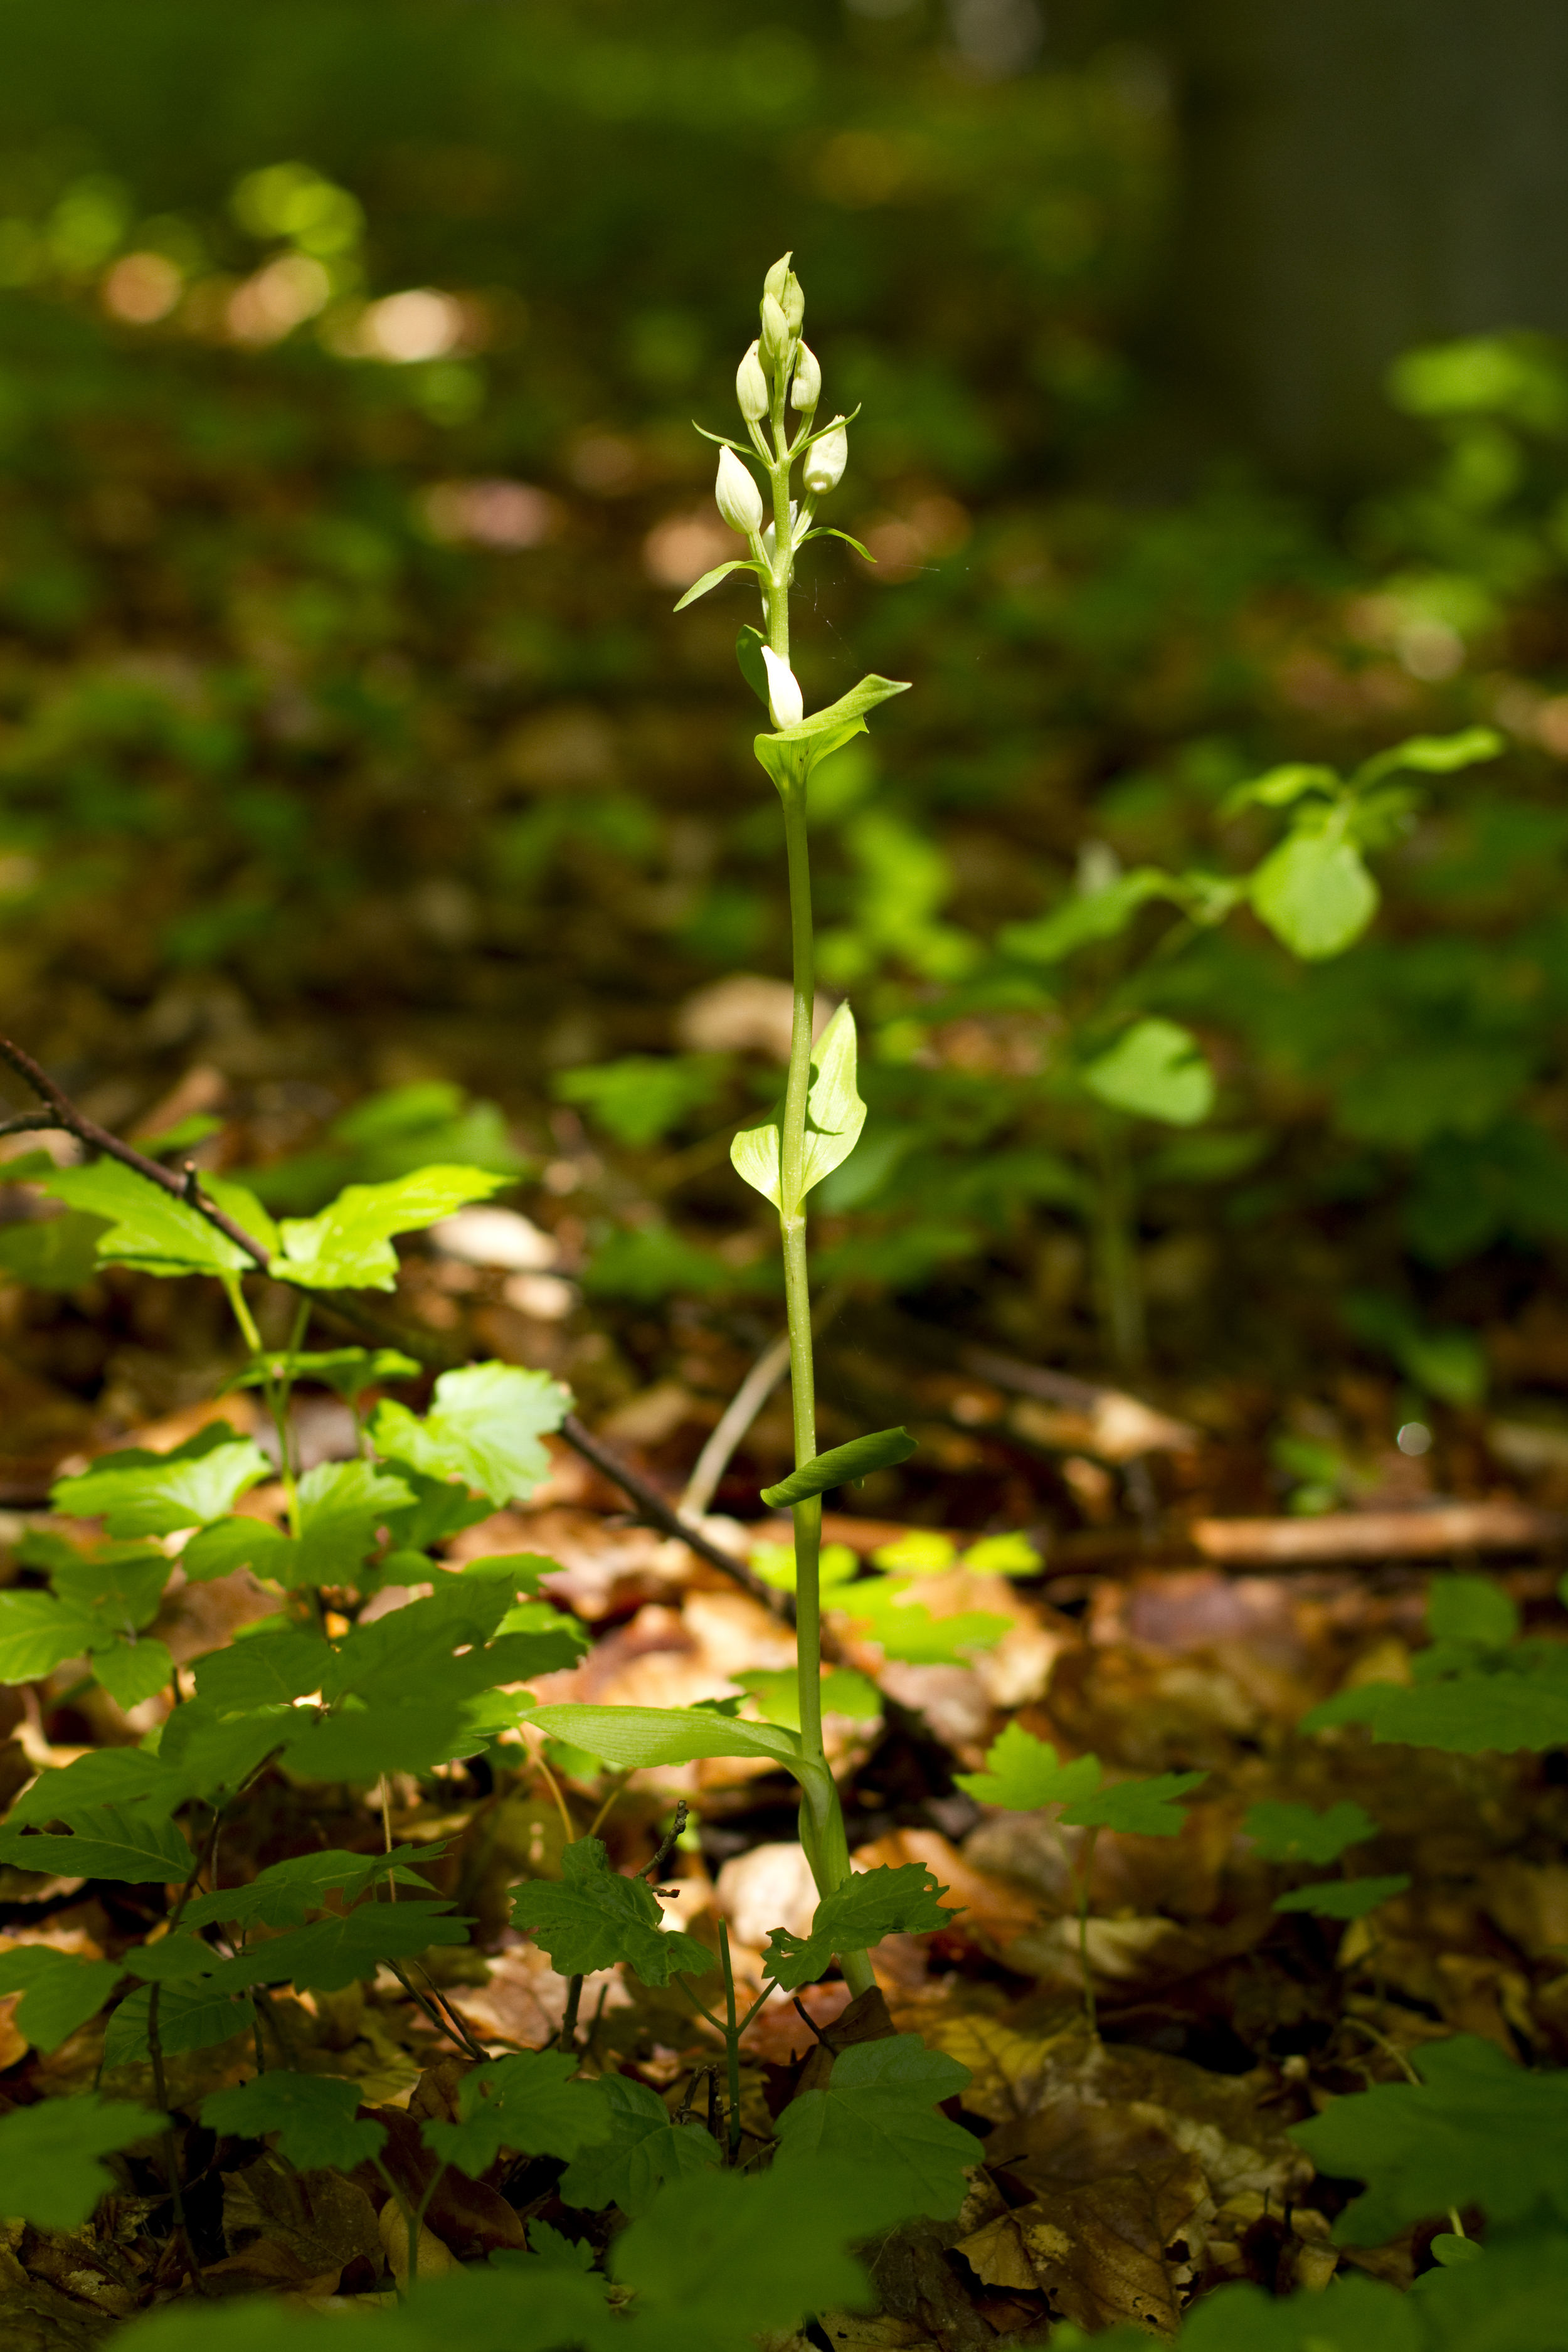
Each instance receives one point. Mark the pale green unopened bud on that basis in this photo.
(752, 387)
(791, 302)
(786, 705)
(806, 389)
(738, 499)
(825, 460)
(775, 330)
(778, 278)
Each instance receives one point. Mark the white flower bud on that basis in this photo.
(752, 387)
(778, 276)
(738, 499)
(825, 460)
(775, 332)
(786, 705)
(791, 302)
(806, 389)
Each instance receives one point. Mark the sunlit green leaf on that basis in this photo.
(842, 1466)
(592, 1917)
(1022, 1772)
(148, 1227)
(712, 579)
(348, 1245)
(142, 1494)
(484, 1427)
(834, 1116)
(1156, 1069)
(631, 1737)
(1315, 893)
(869, 1905)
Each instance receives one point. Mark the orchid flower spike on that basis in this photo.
(786, 705)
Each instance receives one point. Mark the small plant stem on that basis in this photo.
(1085, 1869)
(602, 1815)
(568, 2040)
(554, 1785)
(1121, 1289)
(732, 2039)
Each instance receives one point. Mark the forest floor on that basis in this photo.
(1126, 2163)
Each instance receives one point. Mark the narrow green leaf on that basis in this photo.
(49, 2173)
(854, 705)
(141, 1494)
(632, 1737)
(312, 2115)
(594, 1918)
(1435, 755)
(826, 530)
(1341, 1898)
(841, 1465)
(719, 571)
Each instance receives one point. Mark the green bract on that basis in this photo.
(834, 1116)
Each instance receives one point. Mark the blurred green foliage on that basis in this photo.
(347, 358)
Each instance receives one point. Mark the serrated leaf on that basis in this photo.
(49, 2173)
(632, 1737)
(205, 1754)
(280, 1895)
(312, 2115)
(1136, 1808)
(1023, 1772)
(1156, 1069)
(103, 1776)
(59, 1991)
(1315, 893)
(592, 1917)
(712, 579)
(147, 1227)
(834, 1116)
(343, 1507)
(484, 1427)
(359, 1744)
(1341, 1898)
(725, 2259)
(878, 2114)
(348, 1245)
(1477, 2129)
(842, 1466)
(644, 2148)
(872, 1904)
(1283, 1832)
(529, 2103)
(109, 1841)
(37, 1632)
(237, 1542)
(1469, 1715)
(133, 1671)
(191, 2016)
(120, 1585)
(266, 1668)
(170, 1958)
(338, 1950)
(138, 1492)
(907, 1630)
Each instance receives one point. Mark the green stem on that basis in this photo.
(731, 2040)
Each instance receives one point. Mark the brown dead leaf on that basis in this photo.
(469, 2217)
(293, 2228)
(1118, 2248)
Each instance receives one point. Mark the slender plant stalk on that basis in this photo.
(821, 1820)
